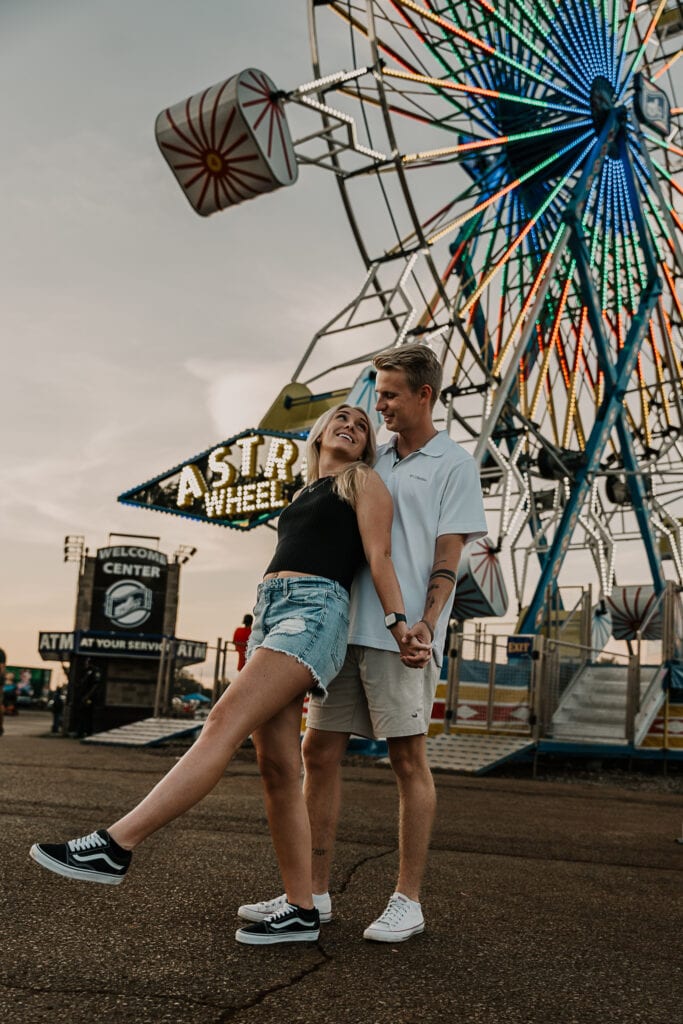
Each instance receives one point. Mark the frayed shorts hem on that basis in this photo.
(306, 617)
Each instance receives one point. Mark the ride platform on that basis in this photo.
(473, 754)
(149, 732)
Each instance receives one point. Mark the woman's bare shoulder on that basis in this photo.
(373, 485)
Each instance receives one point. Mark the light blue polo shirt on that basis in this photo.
(436, 490)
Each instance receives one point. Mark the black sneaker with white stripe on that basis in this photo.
(93, 858)
(289, 924)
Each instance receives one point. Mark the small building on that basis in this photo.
(125, 621)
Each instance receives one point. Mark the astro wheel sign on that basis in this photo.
(129, 590)
(241, 483)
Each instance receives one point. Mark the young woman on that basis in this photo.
(298, 643)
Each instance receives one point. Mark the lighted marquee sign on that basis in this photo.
(241, 483)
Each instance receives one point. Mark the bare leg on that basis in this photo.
(323, 753)
(269, 682)
(417, 807)
(279, 757)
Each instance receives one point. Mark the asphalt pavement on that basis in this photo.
(545, 902)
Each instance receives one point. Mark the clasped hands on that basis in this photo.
(415, 646)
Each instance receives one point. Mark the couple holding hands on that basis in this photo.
(369, 655)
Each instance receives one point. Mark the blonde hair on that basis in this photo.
(347, 484)
(418, 363)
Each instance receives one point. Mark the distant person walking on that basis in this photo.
(3, 664)
(57, 710)
(240, 638)
(86, 699)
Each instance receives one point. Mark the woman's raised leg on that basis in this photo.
(270, 681)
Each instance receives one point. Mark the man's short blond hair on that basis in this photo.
(419, 364)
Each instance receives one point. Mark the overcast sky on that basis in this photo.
(135, 333)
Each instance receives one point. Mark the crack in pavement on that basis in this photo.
(281, 986)
(352, 871)
(88, 992)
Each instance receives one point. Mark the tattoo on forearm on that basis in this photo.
(445, 574)
(435, 584)
(319, 851)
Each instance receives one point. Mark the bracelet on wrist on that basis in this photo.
(431, 631)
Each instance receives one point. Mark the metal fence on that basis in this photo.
(487, 691)
(168, 675)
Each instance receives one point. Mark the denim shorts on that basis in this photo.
(306, 617)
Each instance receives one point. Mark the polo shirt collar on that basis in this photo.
(435, 447)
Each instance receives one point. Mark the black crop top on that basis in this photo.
(318, 534)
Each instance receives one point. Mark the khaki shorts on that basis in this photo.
(377, 696)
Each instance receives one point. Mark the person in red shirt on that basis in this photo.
(240, 638)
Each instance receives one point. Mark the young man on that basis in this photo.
(382, 692)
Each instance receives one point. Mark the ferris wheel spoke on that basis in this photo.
(670, 147)
(663, 385)
(533, 219)
(672, 361)
(446, 66)
(501, 226)
(625, 39)
(572, 413)
(526, 314)
(510, 187)
(479, 144)
(525, 43)
(667, 67)
(553, 341)
(587, 59)
(646, 173)
(662, 217)
(641, 50)
(526, 13)
(484, 47)
(472, 90)
(417, 68)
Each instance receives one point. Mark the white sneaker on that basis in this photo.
(260, 911)
(401, 919)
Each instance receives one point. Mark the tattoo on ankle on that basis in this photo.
(319, 851)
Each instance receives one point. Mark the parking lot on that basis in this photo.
(545, 902)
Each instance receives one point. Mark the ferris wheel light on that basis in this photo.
(329, 81)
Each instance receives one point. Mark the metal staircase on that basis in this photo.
(594, 707)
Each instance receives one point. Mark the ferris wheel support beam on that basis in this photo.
(605, 421)
(617, 378)
(509, 381)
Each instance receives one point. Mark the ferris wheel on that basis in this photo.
(511, 173)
